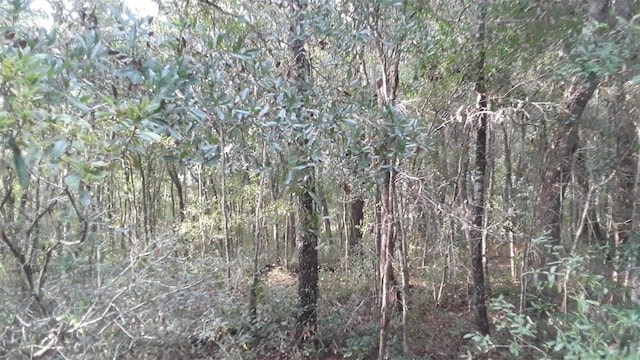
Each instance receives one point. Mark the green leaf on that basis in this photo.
(20, 165)
(85, 198)
(58, 147)
(73, 181)
(315, 197)
(289, 177)
(147, 136)
(514, 348)
(350, 122)
(303, 166)
(144, 102)
(263, 111)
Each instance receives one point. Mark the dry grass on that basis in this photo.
(148, 308)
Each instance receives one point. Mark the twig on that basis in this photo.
(141, 304)
(353, 314)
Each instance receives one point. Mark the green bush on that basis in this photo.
(589, 328)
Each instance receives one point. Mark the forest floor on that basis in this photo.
(176, 308)
(347, 326)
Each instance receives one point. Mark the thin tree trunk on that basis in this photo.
(344, 231)
(405, 274)
(356, 210)
(626, 174)
(173, 175)
(461, 199)
(507, 195)
(326, 217)
(387, 87)
(290, 235)
(201, 201)
(253, 295)
(377, 236)
(489, 191)
(144, 197)
(224, 207)
(385, 261)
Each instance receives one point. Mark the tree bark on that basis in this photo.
(224, 207)
(307, 230)
(507, 196)
(355, 225)
(307, 242)
(387, 87)
(626, 140)
(387, 240)
(356, 216)
(175, 179)
(477, 223)
(258, 225)
(559, 157)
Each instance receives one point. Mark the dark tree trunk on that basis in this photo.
(307, 229)
(307, 242)
(477, 223)
(355, 225)
(559, 157)
(476, 230)
(175, 179)
(548, 211)
(356, 216)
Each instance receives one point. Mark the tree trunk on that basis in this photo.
(387, 88)
(356, 216)
(559, 157)
(475, 231)
(307, 230)
(255, 285)
(175, 179)
(307, 242)
(355, 225)
(290, 234)
(223, 204)
(325, 216)
(508, 192)
(387, 240)
(626, 172)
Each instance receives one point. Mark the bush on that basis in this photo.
(589, 328)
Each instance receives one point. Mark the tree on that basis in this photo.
(563, 146)
(626, 168)
(307, 229)
(475, 233)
